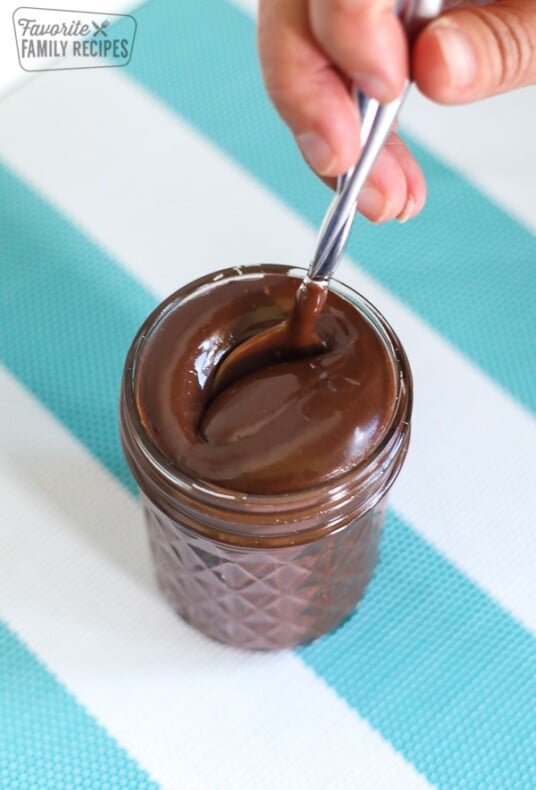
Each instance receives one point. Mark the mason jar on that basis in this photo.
(264, 571)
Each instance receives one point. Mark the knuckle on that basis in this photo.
(280, 71)
(334, 23)
(511, 39)
(281, 83)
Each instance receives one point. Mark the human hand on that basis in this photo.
(312, 50)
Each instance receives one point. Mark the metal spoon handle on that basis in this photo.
(338, 220)
(367, 110)
(377, 122)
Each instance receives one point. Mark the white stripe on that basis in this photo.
(490, 142)
(466, 483)
(75, 582)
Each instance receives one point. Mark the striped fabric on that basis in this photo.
(118, 186)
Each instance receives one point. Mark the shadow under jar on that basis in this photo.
(272, 549)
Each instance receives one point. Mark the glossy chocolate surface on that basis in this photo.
(296, 421)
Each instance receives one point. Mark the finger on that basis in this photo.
(307, 90)
(472, 53)
(365, 40)
(414, 177)
(395, 188)
(385, 194)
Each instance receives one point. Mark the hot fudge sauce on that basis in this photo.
(264, 501)
(285, 426)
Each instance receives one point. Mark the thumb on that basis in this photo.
(471, 53)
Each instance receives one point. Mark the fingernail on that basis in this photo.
(407, 211)
(316, 151)
(373, 87)
(458, 52)
(373, 204)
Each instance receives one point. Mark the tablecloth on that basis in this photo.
(117, 186)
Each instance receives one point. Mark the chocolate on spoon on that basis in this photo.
(294, 337)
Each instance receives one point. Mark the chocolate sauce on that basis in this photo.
(293, 338)
(291, 423)
(321, 434)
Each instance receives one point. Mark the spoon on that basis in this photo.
(296, 336)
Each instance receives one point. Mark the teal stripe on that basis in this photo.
(53, 287)
(438, 668)
(466, 267)
(432, 662)
(47, 740)
(91, 285)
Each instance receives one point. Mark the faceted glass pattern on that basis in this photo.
(263, 598)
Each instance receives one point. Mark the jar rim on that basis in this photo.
(218, 496)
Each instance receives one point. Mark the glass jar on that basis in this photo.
(264, 571)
